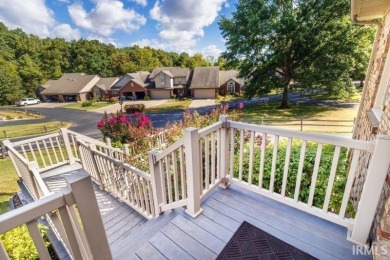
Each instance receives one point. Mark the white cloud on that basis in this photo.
(105, 40)
(32, 16)
(64, 1)
(66, 31)
(227, 5)
(154, 43)
(211, 51)
(106, 17)
(140, 2)
(181, 23)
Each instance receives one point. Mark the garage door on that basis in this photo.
(160, 94)
(204, 93)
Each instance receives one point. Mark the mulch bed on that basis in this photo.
(250, 242)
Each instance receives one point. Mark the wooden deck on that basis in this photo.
(175, 235)
(119, 219)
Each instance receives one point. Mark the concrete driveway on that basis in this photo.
(115, 107)
(202, 103)
(48, 105)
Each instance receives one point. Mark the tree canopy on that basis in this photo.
(26, 61)
(279, 43)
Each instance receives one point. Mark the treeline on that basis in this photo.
(26, 61)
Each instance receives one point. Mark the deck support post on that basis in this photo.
(372, 189)
(65, 137)
(84, 195)
(157, 181)
(223, 170)
(192, 152)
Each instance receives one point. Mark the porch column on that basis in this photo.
(372, 189)
(191, 146)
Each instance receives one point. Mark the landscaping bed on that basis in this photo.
(86, 106)
(18, 114)
(170, 105)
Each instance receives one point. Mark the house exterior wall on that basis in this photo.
(180, 81)
(162, 80)
(132, 87)
(204, 93)
(223, 88)
(363, 129)
(157, 94)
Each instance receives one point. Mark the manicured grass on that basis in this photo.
(354, 97)
(269, 114)
(9, 115)
(78, 106)
(8, 184)
(169, 106)
(31, 129)
(227, 98)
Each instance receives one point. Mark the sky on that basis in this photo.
(170, 25)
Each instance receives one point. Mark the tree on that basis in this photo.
(278, 43)
(10, 83)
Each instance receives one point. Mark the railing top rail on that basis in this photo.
(35, 139)
(209, 129)
(94, 141)
(169, 149)
(22, 215)
(11, 149)
(317, 137)
(125, 166)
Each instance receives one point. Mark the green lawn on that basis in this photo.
(170, 105)
(31, 129)
(354, 97)
(8, 185)
(269, 114)
(78, 106)
(227, 98)
(12, 114)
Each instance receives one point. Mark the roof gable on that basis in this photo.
(205, 77)
(176, 72)
(71, 83)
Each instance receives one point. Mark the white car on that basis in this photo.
(27, 101)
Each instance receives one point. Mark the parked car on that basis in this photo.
(27, 101)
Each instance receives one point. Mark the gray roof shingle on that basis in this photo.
(205, 77)
(106, 83)
(226, 75)
(71, 83)
(175, 71)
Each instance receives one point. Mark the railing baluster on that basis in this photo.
(212, 158)
(273, 167)
(145, 196)
(24, 152)
(262, 159)
(40, 154)
(3, 253)
(182, 173)
(169, 180)
(54, 150)
(218, 154)
(315, 174)
(32, 152)
(163, 183)
(175, 181)
(286, 166)
(251, 151)
(47, 151)
(332, 176)
(60, 148)
(38, 240)
(348, 185)
(207, 169)
(231, 157)
(202, 169)
(300, 169)
(241, 155)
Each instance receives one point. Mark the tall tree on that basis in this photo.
(10, 83)
(278, 43)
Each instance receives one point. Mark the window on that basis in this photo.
(231, 87)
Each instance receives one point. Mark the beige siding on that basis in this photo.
(204, 93)
(162, 80)
(160, 94)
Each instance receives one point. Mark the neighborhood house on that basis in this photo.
(162, 83)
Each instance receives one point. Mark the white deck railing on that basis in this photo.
(85, 241)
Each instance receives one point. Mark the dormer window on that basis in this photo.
(231, 87)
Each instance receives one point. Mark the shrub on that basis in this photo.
(8, 117)
(87, 103)
(173, 96)
(130, 109)
(147, 98)
(113, 100)
(19, 245)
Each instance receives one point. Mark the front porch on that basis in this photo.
(142, 213)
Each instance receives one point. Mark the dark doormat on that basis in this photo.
(249, 242)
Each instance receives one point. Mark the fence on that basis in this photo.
(311, 125)
(33, 129)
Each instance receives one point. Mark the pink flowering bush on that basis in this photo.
(124, 129)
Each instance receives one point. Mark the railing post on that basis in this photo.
(372, 190)
(108, 141)
(92, 149)
(65, 137)
(224, 151)
(126, 149)
(157, 184)
(191, 148)
(84, 195)
(2, 150)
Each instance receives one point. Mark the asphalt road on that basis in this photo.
(85, 122)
